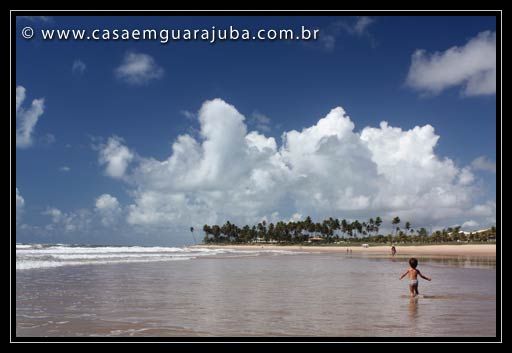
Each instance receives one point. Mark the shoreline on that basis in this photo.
(442, 250)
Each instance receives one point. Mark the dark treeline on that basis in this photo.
(334, 230)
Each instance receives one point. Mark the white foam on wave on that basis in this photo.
(23, 246)
(32, 264)
(47, 256)
(77, 256)
(95, 250)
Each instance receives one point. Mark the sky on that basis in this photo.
(135, 141)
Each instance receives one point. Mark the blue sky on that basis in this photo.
(363, 64)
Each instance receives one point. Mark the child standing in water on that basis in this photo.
(413, 276)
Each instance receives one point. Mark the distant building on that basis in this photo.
(476, 231)
(315, 239)
(491, 235)
(260, 240)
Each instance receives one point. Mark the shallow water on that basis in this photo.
(259, 294)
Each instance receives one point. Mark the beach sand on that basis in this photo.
(443, 250)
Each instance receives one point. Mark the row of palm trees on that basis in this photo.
(332, 230)
(296, 232)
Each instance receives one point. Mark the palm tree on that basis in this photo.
(364, 228)
(371, 225)
(216, 232)
(407, 227)
(395, 222)
(378, 222)
(344, 226)
(357, 226)
(350, 230)
(262, 231)
(207, 231)
(270, 232)
(457, 232)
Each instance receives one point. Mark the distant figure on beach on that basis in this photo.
(393, 250)
(413, 276)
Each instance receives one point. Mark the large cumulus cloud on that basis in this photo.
(328, 169)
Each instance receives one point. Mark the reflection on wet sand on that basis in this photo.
(413, 308)
(452, 261)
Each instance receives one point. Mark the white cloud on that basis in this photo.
(107, 202)
(55, 213)
(483, 163)
(324, 170)
(78, 67)
(83, 224)
(362, 24)
(64, 169)
(487, 209)
(26, 119)
(138, 68)
(471, 224)
(359, 28)
(71, 222)
(20, 96)
(260, 121)
(188, 114)
(473, 66)
(466, 177)
(260, 142)
(108, 208)
(20, 203)
(296, 217)
(115, 156)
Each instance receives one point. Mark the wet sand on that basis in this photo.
(322, 294)
(442, 250)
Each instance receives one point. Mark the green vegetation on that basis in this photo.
(337, 231)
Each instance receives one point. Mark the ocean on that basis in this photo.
(119, 291)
